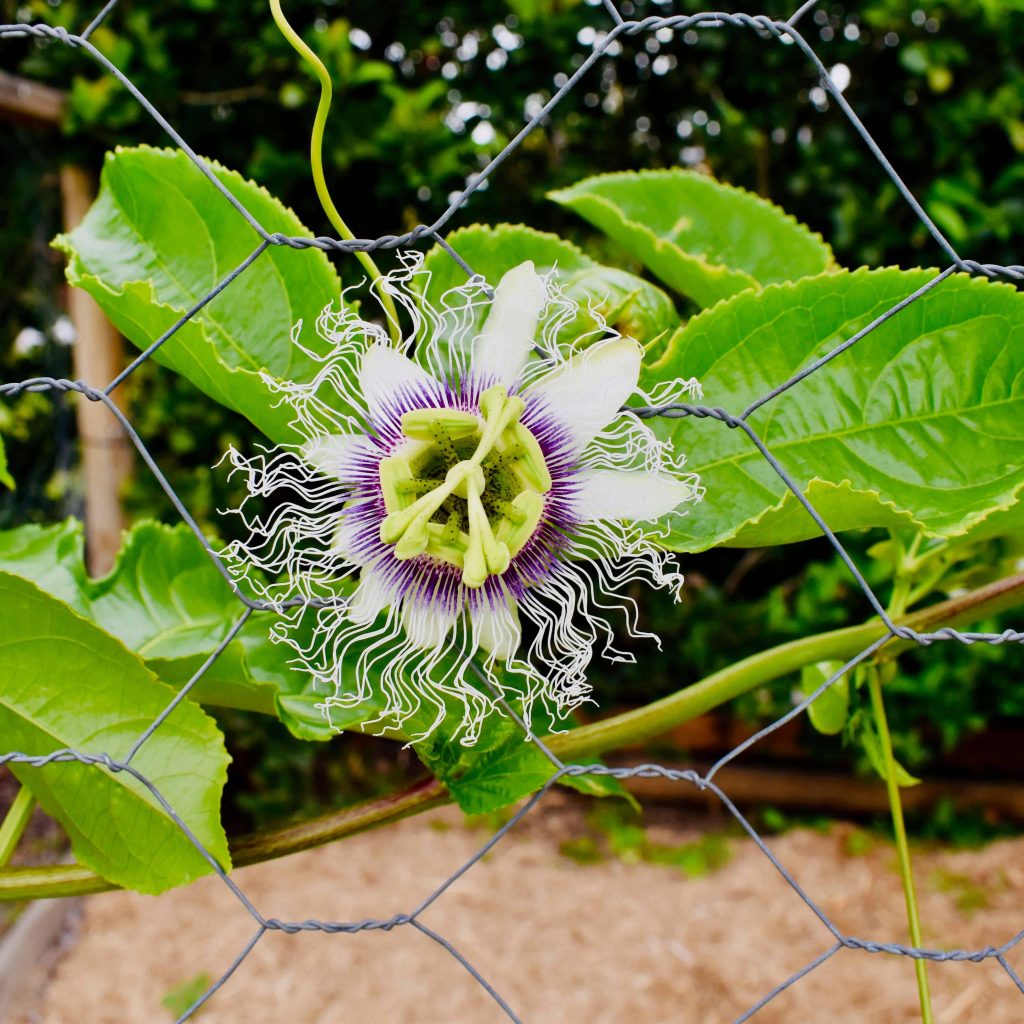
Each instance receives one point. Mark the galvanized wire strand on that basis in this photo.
(761, 24)
(849, 343)
(222, 980)
(790, 981)
(187, 688)
(800, 708)
(477, 976)
(782, 31)
(801, 11)
(144, 355)
(99, 19)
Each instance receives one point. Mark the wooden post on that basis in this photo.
(98, 352)
(27, 102)
(97, 357)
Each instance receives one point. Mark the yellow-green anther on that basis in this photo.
(500, 411)
(415, 518)
(512, 513)
(414, 540)
(441, 546)
(424, 424)
(530, 464)
(474, 566)
(492, 401)
(396, 523)
(485, 556)
(394, 472)
(451, 532)
(514, 536)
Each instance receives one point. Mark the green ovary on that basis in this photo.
(465, 489)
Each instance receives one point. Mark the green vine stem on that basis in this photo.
(748, 674)
(908, 570)
(631, 727)
(316, 160)
(14, 824)
(902, 848)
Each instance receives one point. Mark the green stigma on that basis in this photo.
(465, 489)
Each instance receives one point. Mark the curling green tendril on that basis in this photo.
(316, 162)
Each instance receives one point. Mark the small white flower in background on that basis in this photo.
(488, 488)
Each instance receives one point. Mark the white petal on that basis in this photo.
(343, 542)
(586, 391)
(502, 348)
(387, 379)
(371, 597)
(496, 628)
(620, 494)
(426, 624)
(332, 453)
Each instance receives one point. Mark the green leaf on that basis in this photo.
(5, 475)
(159, 238)
(68, 684)
(490, 251)
(626, 302)
(872, 744)
(51, 557)
(704, 239)
(500, 768)
(919, 425)
(828, 712)
(165, 600)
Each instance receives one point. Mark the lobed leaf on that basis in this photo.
(626, 302)
(919, 425)
(500, 768)
(160, 237)
(704, 239)
(165, 600)
(69, 684)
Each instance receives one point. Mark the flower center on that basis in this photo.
(465, 489)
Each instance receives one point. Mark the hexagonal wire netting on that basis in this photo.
(770, 30)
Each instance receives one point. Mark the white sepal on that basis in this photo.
(626, 494)
(427, 624)
(387, 378)
(502, 348)
(496, 628)
(587, 391)
(332, 453)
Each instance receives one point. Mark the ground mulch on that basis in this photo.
(563, 942)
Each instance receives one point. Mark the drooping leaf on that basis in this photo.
(919, 425)
(704, 239)
(67, 683)
(828, 711)
(165, 600)
(160, 237)
(865, 733)
(625, 302)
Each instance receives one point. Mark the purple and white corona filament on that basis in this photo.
(469, 479)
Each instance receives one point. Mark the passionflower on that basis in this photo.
(485, 490)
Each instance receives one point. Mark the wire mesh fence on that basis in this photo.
(773, 31)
